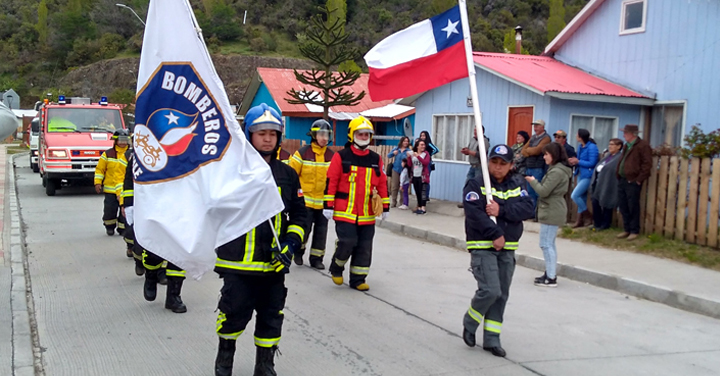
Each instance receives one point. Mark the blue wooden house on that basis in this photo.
(270, 85)
(651, 63)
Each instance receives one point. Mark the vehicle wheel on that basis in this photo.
(44, 180)
(35, 167)
(50, 186)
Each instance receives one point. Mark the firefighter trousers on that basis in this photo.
(153, 262)
(319, 226)
(493, 272)
(356, 242)
(243, 294)
(112, 216)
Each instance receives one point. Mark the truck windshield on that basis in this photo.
(83, 120)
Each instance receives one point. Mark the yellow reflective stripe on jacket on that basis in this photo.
(475, 315)
(128, 193)
(174, 273)
(512, 246)
(249, 246)
(309, 201)
(297, 230)
(345, 215)
(503, 194)
(492, 326)
(266, 342)
(244, 266)
(479, 244)
(329, 198)
(368, 193)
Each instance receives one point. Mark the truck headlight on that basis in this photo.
(57, 154)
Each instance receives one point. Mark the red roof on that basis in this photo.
(279, 81)
(546, 74)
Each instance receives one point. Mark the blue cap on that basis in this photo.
(503, 152)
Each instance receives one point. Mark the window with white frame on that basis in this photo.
(450, 134)
(601, 128)
(633, 16)
(666, 126)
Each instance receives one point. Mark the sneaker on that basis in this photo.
(421, 212)
(546, 282)
(541, 279)
(403, 207)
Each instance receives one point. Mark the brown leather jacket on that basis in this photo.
(637, 163)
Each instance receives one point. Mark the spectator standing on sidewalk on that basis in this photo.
(405, 185)
(533, 152)
(432, 149)
(632, 171)
(584, 164)
(552, 208)
(561, 138)
(519, 162)
(604, 186)
(473, 153)
(399, 154)
(419, 158)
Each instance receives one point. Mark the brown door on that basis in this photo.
(519, 119)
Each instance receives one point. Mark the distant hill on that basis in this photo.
(42, 41)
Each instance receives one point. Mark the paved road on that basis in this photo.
(92, 318)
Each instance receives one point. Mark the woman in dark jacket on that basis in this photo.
(604, 186)
(432, 149)
(522, 138)
(587, 159)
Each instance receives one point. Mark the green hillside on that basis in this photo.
(42, 40)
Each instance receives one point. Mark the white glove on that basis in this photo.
(129, 215)
(384, 215)
(328, 213)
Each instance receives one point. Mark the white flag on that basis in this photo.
(198, 182)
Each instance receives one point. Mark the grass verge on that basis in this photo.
(653, 244)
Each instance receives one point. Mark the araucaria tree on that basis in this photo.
(326, 45)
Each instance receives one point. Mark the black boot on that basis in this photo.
(172, 299)
(150, 287)
(162, 278)
(264, 365)
(316, 262)
(224, 359)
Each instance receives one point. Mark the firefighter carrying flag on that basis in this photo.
(198, 182)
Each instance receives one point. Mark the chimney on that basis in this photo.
(518, 39)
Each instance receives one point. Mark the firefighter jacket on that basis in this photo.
(110, 170)
(283, 155)
(351, 178)
(311, 163)
(252, 253)
(515, 207)
(127, 195)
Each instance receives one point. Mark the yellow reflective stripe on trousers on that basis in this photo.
(148, 266)
(359, 270)
(317, 252)
(174, 273)
(511, 246)
(218, 326)
(481, 244)
(340, 263)
(110, 222)
(266, 342)
(297, 230)
(246, 266)
(249, 246)
(475, 315)
(386, 200)
(493, 326)
(503, 194)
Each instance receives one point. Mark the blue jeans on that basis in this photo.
(537, 173)
(579, 194)
(547, 244)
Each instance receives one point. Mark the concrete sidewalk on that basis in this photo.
(679, 285)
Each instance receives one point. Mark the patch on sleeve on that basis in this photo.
(300, 193)
(524, 193)
(472, 196)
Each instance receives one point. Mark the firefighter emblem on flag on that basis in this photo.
(178, 127)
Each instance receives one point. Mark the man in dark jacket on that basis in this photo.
(253, 266)
(561, 138)
(492, 245)
(534, 155)
(632, 171)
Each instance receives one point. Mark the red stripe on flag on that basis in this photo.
(418, 75)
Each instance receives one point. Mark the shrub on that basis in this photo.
(258, 44)
(701, 145)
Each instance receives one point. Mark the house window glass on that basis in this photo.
(601, 128)
(633, 16)
(450, 134)
(666, 126)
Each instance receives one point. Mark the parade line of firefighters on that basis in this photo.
(316, 184)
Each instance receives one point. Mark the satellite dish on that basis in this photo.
(407, 128)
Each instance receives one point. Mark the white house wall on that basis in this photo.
(495, 95)
(676, 57)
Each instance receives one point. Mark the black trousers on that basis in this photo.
(243, 294)
(153, 262)
(353, 241)
(112, 216)
(319, 226)
(419, 193)
(602, 217)
(629, 203)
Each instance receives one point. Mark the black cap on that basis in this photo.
(503, 152)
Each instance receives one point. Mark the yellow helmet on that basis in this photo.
(360, 123)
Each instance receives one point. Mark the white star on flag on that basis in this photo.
(172, 119)
(451, 28)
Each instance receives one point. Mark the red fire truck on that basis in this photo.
(74, 132)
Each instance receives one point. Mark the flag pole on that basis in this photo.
(475, 101)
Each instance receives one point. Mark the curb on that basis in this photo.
(658, 294)
(24, 333)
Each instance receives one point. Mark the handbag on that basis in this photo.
(377, 204)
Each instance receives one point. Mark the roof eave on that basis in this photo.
(574, 24)
(639, 101)
(250, 92)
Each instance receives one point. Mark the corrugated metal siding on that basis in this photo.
(495, 96)
(676, 57)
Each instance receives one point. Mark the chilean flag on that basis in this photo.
(421, 57)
